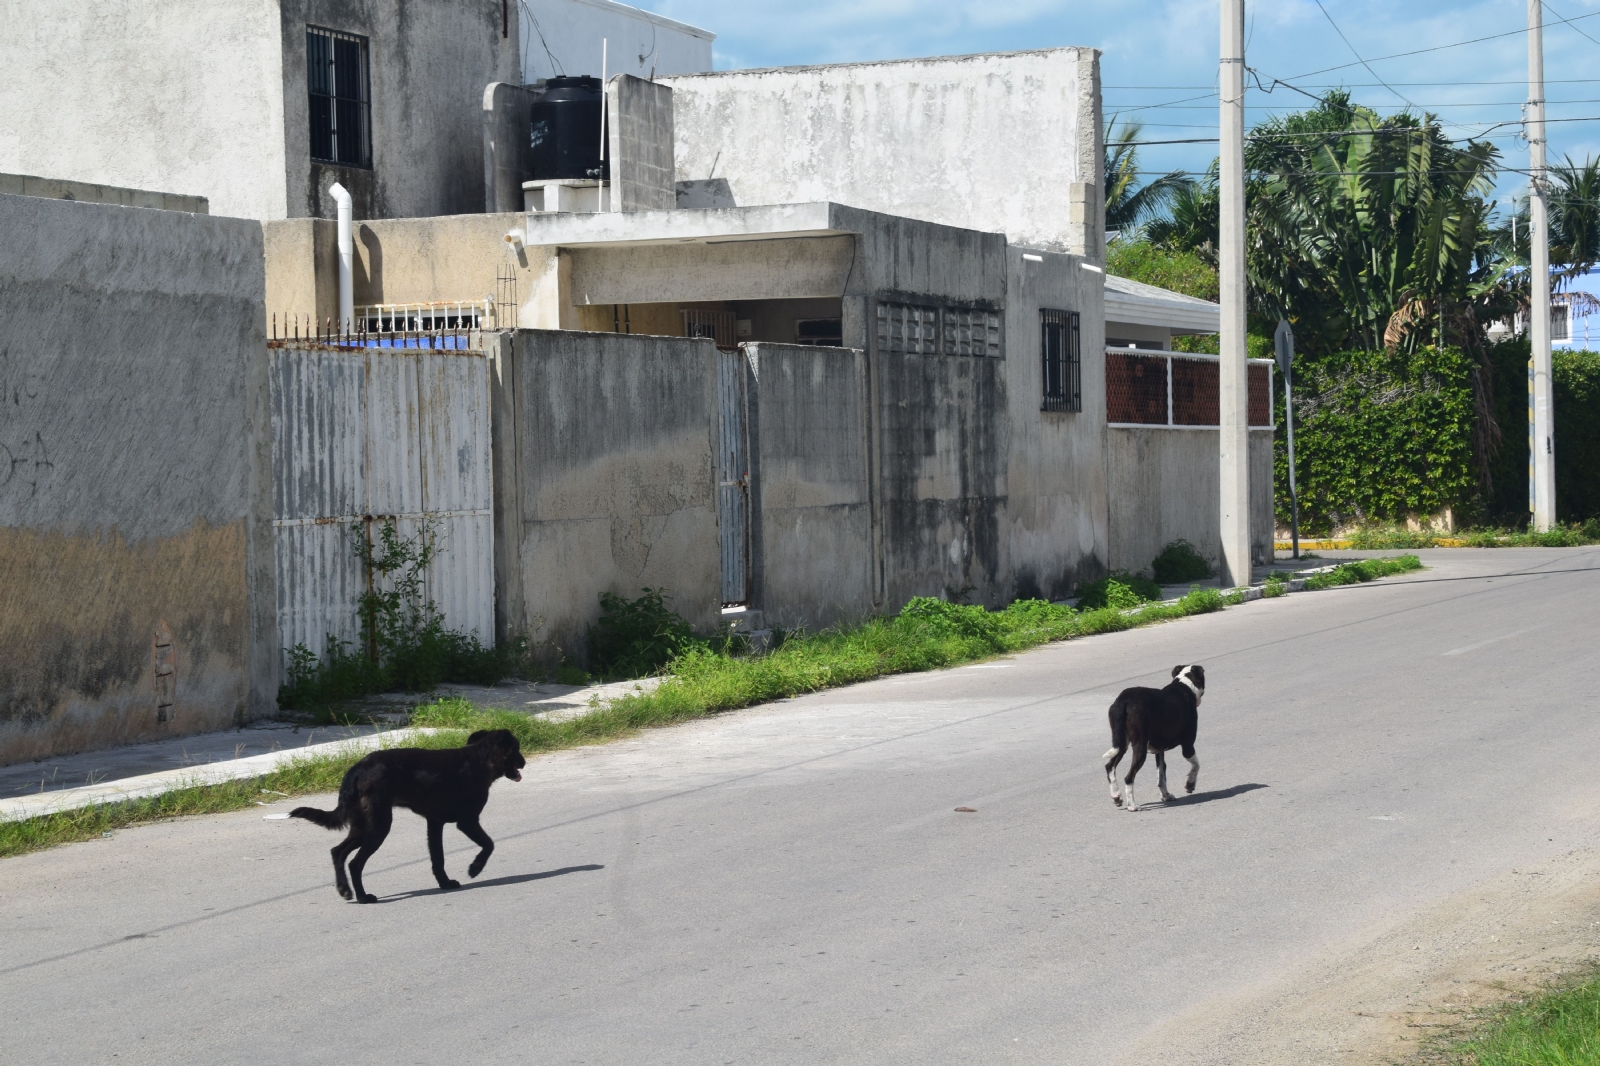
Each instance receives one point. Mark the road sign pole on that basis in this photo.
(1283, 341)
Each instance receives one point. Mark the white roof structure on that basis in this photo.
(1149, 305)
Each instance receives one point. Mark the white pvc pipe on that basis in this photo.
(347, 252)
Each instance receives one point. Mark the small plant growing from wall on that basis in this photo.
(1178, 562)
(404, 644)
(636, 638)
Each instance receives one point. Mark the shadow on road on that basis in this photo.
(1207, 797)
(493, 882)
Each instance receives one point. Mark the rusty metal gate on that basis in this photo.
(361, 435)
(733, 477)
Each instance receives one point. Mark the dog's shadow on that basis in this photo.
(1207, 797)
(493, 882)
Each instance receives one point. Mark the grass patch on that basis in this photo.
(1365, 570)
(1557, 1028)
(1380, 538)
(1119, 590)
(312, 773)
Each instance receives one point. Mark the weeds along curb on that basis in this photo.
(932, 636)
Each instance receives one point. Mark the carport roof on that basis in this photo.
(687, 225)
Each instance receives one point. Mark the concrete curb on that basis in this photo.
(20, 808)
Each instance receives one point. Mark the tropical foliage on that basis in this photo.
(1129, 204)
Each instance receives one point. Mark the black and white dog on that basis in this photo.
(1156, 719)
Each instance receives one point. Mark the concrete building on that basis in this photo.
(563, 37)
(259, 108)
(135, 482)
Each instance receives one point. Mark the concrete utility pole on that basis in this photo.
(1234, 434)
(1543, 443)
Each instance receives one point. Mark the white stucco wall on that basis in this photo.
(986, 142)
(640, 41)
(182, 96)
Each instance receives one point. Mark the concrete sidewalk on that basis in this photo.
(28, 790)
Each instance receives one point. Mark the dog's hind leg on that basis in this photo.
(1111, 758)
(475, 833)
(378, 823)
(1161, 765)
(436, 854)
(1133, 770)
(1194, 767)
(351, 841)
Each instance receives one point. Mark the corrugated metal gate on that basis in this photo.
(733, 477)
(364, 434)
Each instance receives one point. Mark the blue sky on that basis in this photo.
(1164, 53)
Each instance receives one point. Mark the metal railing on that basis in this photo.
(1177, 390)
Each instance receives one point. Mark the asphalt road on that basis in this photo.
(792, 884)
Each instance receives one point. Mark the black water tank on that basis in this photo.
(564, 130)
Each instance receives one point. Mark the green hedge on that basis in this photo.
(1378, 436)
(1576, 381)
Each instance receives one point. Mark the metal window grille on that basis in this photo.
(338, 80)
(721, 326)
(1179, 389)
(1063, 360)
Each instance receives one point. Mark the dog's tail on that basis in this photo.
(1119, 730)
(339, 817)
(334, 819)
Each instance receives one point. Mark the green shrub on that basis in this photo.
(1575, 388)
(1119, 589)
(1178, 562)
(1365, 570)
(636, 638)
(1379, 436)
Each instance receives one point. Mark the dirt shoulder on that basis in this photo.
(1379, 997)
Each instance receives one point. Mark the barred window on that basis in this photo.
(341, 99)
(1063, 360)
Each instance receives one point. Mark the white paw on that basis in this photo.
(1132, 806)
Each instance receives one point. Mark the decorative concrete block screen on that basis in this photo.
(923, 329)
(1177, 389)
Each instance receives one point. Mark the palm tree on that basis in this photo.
(1575, 216)
(1128, 204)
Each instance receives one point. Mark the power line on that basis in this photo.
(1440, 47)
(1568, 21)
(1355, 53)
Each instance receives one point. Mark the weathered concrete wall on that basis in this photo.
(430, 63)
(57, 189)
(995, 142)
(507, 154)
(135, 496)
(605, 480)
(399, 260)
(643, 43)
(793, 269)
(811, 487)
(639, 125)
(1056, 523)
(1164, 486)
(184, 96)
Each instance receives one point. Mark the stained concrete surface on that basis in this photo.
(791, 883)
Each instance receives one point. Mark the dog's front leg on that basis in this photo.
(475, 833)
(1161, 765)
(1194, 767)
(436, 853)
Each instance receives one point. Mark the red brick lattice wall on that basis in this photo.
(1195, 391)
(1136, 389)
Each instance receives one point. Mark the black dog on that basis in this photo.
(1156, 719)
(442, 786)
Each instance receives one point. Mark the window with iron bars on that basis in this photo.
(341, 98)
(1059, 345)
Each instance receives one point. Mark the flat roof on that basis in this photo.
(716, 225)
(1136, 303)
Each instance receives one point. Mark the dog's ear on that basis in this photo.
(1176, 670)
(479, 735)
